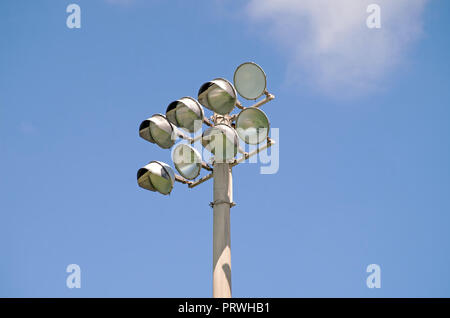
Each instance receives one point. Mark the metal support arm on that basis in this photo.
(200, 181)
(268, 98)
(180, 179)
(269, 144)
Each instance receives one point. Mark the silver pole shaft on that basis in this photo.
(223, 196)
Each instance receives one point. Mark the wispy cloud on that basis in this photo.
(329, 43)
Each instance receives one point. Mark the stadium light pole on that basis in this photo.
(223, 201)
(222, 140)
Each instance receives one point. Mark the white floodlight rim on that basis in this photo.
(189, 102)
(203, 100)
(225, 129)
(145, 131)
(148, 169)
(197, 162)
(260, 139)
(265, 80)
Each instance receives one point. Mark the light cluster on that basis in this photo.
(221, 138)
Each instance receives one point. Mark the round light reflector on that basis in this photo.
(218, 95)
(187, 161)
(157, 129)
(184, 112)
(250, 80)
(156, 176)
(252, 126)
(222, 141)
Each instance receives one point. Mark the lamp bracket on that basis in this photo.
(212, 204)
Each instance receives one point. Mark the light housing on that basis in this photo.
(158, 129)
(222, 141)
(187, 161)
(250, 80)
(218, 95)
(184, 112)
(156, 176)
(252, 125)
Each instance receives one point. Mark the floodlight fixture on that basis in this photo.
(250, 80)
(222, 141)
(156, 176)
(159, 130)
(184, 112)
(187, 161)
(252, 126)
(218, 95)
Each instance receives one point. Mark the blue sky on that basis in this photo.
(364, 151)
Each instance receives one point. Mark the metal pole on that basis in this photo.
(223, 198)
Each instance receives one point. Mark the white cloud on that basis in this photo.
(329, 45)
